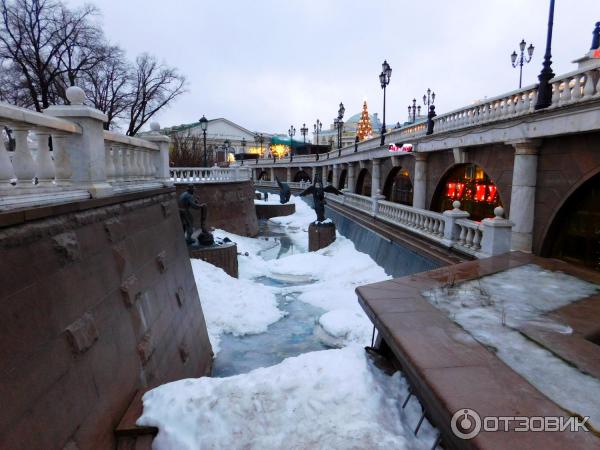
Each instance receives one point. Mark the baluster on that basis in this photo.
(23, 163)
(469, 239)
(43, 162)
(126, 162)
(476, 240)
(110, 161)
(566, 93)
(463, 234)
(588, 88)
(577, 88)
(597, 94)
(62, 160)
(7, 174)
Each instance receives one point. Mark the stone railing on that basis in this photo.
(291, 184)
(64, 155)
(199, 175)
(449, 229)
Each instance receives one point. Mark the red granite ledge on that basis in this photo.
(449, 370)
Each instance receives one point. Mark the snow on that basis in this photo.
(332, 399)
(242, 308)
(493, 307)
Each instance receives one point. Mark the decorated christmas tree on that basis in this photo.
(364, 129)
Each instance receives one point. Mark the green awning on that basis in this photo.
(285, 141)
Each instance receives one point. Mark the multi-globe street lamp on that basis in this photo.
(414, 110)
(203, 127)
(317, 127)
(544, 97)
(384, 80)
(304, 132)
(519, 60)
(292, 133)
(429, 98)
(259, 139)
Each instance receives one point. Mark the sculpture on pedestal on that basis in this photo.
(284, 192)
(318, 192)
(187, 202)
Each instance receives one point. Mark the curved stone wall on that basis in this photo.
(230, 206)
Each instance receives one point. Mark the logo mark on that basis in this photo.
(465, 424)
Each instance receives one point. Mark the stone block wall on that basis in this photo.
(230, 206)
(98, 300)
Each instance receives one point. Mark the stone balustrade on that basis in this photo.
(450, 229)
(199, 175)
(63, 155)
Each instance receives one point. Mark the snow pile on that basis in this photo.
(332, 399)
(491, 309)
(231, 305)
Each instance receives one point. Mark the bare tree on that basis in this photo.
(107, 85)
(155, 85)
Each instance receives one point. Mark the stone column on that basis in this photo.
(324, 175)
(420, 185)
(272, 174)
(86, 151)
(334, 178)
(376, 178)
(350, 177)
(522, 197)
(288, 174)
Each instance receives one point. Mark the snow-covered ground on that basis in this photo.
(491, 309)
(331, 399)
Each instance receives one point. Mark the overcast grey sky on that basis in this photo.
(266, 64)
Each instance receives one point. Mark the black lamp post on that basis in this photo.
(413, 110)
(317, 128)
(519, 60)
(259, 139)
(544, 97)
(340, 124)
(292, 133)
(304, 132)
(204, 126)
(384, 80)
(243, 144)
(429, 100)
(226, 147)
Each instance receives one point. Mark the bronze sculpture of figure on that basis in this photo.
(318, 192)
(284, 191)
(187, 201)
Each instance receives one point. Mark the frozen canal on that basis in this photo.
(290, 368)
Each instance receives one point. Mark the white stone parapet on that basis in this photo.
(64, 155)
(201, 175)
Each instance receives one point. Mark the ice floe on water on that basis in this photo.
(332, 399)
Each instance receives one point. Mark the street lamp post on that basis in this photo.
(243, 144)
(204, 126)
(519, 60)
(544, 97)
(340, 124)
(414, 110)
(429, 100)
(384, 80)
(259, 139)
(292, 133)
(304, 132)
(226, 147)
(317, 128)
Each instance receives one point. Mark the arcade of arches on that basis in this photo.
(397, 187)
(301, 176)
(363, 183)
(469, 184)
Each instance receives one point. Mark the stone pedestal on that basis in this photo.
(223, 256)
(268, 210)
(320, 235)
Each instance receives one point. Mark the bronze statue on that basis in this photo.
(318, 192)
(284, 191)
(188, 201)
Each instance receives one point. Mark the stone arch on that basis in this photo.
(330, 177)
(264, 175)
(301, 175)
(363, 183)
(342, 179)
(472, 186)
(573, 233)
(398, 187)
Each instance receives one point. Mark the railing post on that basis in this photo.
(162, 161)
(451, 229)
(497, 234)
(86, 150)
(376, 198)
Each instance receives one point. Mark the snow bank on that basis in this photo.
(331, 399)
(491, 309)
(233, 306)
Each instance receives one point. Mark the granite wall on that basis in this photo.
(98, 300)
(230, 206)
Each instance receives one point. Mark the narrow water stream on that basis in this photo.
(293, 335)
